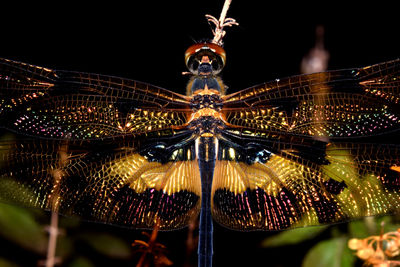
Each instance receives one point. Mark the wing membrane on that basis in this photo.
(72, 105)
(125, 184)
(269, 189)
(345, 103)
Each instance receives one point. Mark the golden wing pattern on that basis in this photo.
(280, 191)
(103, 182)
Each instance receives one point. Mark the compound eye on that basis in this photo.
(199, 53)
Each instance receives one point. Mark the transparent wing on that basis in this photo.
(335, 104)
(104, 148)
(71, 105)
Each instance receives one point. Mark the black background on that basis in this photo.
(146, 41)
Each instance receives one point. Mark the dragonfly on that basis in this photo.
(305, 150)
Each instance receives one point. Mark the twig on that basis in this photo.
(219, 32)
(53, 232)
(54, 199)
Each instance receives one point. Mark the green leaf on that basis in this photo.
(6, 263)
(358, 229)
(329, 253)
(19, 226)
(388, 224)
(108, 245)
(81, 262)
(294, 236)
(64, 247)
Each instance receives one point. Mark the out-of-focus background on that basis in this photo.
(146, 41)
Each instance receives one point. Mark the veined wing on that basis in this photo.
(129, 183)
(344, 103)
(104, 148)
(273, 187)
(72, 105)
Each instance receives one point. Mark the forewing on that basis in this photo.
(344, 103)
(129, 184)
(72, 105)
(104, 148)
(261, 187)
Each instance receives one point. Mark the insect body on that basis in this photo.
(206, 122)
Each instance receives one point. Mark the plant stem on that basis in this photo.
(51, 248)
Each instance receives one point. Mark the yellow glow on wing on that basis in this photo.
(238, 176)
(395, 168)
(170, 177)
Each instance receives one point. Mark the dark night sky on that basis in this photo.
(146, 42)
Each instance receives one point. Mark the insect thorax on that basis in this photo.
(200, 82)
(206, 105)
(205, 61)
